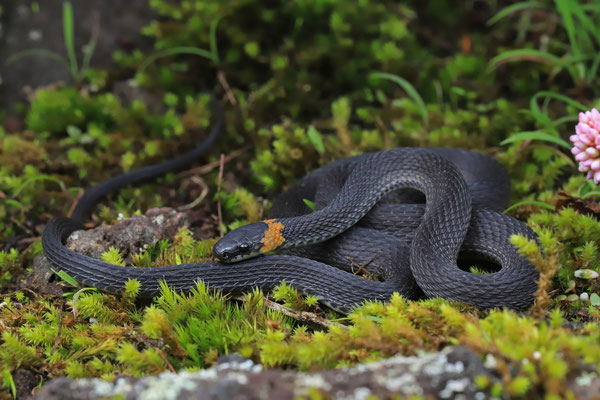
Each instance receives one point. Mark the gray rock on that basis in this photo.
(448, 374)
(129, 236)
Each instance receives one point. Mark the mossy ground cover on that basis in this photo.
(305, 83)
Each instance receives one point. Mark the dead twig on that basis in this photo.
(361, 267)
(160, 353)
(302, 316)
(223, 81)
(74, 204)
(200, 182)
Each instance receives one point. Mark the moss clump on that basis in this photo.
(241, 203)
(9, 262)
(17, 152)
(54, 110)
(178, 330)
(303, 40)
(530, 355)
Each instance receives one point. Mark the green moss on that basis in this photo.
(9, 262)
(54, 110)
(113, 256)
(401, 326)
(241, 203)
(291, 298)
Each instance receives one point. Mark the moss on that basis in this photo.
(17, 152)
(529, 353)
(9, 262)
(54, 110)
(241, 203)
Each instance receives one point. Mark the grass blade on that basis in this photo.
(213, 40)
(536, 135)
(587, 23)
(564, 7)
(539, 116)
(69, 37)
(408, 88)
(560, 97)
(171, 51)
(34, 179)
(91, 46)
(542, 117)
(593, 69)
(564, 120)
(526, 55)
(592, 193)
(529, 203)
(65, 277)
(524, 5)
(38, 52)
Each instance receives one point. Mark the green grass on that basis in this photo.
(70, 62)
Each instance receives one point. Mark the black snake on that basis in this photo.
(410, 245)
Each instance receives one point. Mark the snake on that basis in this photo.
(402, 220)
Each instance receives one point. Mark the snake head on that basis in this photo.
(249, 241)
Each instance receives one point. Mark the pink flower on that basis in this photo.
(586, 144)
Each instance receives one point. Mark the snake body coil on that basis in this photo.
(412, 247)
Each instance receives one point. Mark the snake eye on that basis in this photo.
(244, 247)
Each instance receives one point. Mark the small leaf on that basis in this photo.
(595, 299)
(172, 51)
(315, 139)
(572, 298)
(309, 204)
(570, 286)
(65, 277)
(586, 274)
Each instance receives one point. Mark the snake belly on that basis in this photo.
(363, 214)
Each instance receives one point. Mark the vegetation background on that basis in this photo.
(303, 83)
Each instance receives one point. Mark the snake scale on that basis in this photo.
(404, 215)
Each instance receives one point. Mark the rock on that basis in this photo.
(25, 382)
(41, 279)
(25, 26)
(448, 374)
(129, 236)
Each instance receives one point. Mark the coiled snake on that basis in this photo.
(410, 245)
